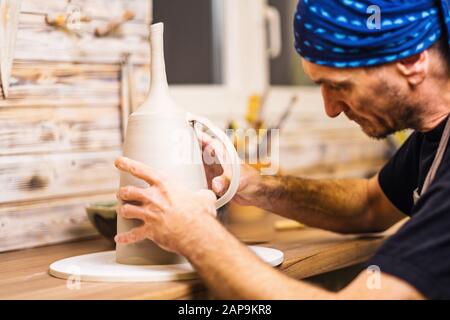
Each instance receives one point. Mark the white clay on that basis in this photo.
(161, 135)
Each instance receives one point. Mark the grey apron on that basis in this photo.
(436, 163)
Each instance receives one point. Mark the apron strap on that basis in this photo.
(438, 158)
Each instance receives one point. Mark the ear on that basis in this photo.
(415, 69)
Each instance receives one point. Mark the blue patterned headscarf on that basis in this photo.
(345, 33)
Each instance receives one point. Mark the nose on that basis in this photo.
(333, 106)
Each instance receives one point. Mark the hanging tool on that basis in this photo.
(113, 25)
(61, 21)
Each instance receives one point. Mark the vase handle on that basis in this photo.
(235, 160)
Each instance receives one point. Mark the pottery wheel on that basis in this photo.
(102, 267)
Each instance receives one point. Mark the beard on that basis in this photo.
(396, 113)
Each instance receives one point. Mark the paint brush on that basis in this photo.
(265, 141)
(286, 112)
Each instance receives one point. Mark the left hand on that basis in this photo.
(171, 214)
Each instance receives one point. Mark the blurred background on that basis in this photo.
(202, 40)
(72, 71)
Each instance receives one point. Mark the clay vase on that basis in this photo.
(161, 135)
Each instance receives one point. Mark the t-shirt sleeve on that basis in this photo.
(419, 253)
(398, 178)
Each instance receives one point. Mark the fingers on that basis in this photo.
(134, 194)
(129, 211)
(132, 236)
(139, 170)
(208, 196)
(214, 150)
(211, 146)
(139, 195)
(205, 139)
(220, 185)
(221, 155)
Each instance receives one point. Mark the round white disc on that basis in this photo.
(102, 267)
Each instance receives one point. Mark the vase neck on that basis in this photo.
(158, 68)
(158, 99)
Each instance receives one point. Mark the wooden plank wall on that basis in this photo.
(60, 128)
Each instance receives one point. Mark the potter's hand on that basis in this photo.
(218, 172)
(169, 212)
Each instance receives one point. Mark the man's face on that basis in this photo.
(377, 99)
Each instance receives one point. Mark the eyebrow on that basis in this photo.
(339, 83)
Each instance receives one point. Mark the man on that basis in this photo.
(386, 78)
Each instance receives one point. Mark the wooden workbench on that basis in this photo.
(308, 252)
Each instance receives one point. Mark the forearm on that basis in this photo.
(184, 222)
(336, 205)
(232, 271)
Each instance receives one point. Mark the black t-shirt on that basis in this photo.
(419, 253)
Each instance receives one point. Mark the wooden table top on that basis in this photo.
(308, 252)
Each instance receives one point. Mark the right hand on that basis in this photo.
(218, 172)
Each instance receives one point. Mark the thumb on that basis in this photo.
(220, 185)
